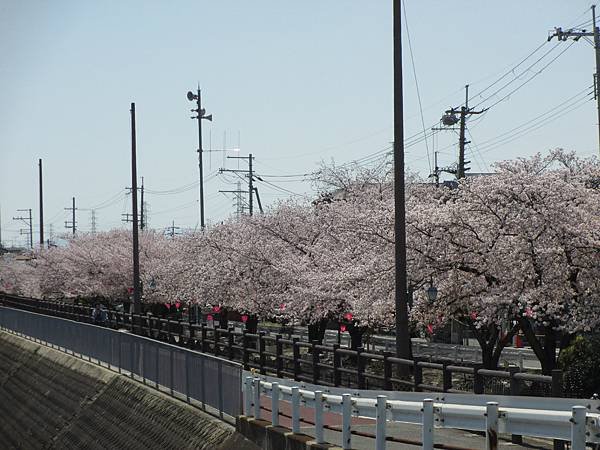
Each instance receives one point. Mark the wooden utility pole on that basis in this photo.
(576, 34)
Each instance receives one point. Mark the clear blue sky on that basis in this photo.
(291, 82)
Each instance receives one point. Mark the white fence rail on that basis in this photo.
(545, 418)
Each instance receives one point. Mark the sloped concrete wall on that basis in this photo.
(51, 400)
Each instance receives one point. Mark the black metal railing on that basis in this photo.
(328, 365)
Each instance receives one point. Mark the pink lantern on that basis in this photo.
(177, 305)
(473, 315)
(209, 318)
(348, 316)
(342, 328)
(244, 318)
(430, 329)
(168, 305)
(216, 309)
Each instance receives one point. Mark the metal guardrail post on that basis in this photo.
(221, 386)
(346, 421)
(248, 396)
(381, 417)
(578, 425)
(275, 404)
(427, 424)
(295, 409)
(491, 426)
(319, 417)
(256, 392)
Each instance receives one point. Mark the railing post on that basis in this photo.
(336, 365)
(515, 389)
(256, 392)
(187, 375)
(169, 337)
(387, 371)
(578, 427)
(315, 362)
(417, 375)
(346, 421)
(275, 404)
(278, 353)
(261, 352)
(295, 410)
(380, 416)
(557, 383)
(215, 340)
(427, 424)
(447, 377)
(296, 352)
(319, 417)
(248, 396)
(204, 339)
(230, 352)
(191, 338)
(221, 386)
(360, 369)
(172, 369)
(491, 426)
(478, 384)
(245, 356)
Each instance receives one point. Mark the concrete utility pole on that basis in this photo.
(72, 223)
(142, 224)
(41, 206)
(576, 34)
(137, 306)
(200, 115)
(29, 222)
(403, 344)
(450, 119)
(250, 174)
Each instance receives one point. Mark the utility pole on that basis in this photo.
(200, 114)
(29, 222)
(260, 208)
(142, 206)
(576, 34)
(450, 119)
(250, 174)
(72, 223)
(173, 228)
(403, 343)
(41, 206)
(137, 306)
(93, 221)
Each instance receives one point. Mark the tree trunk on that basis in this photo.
(356, 335)
(546, 353)
(492, 342)
(251, 324)
(316, 331)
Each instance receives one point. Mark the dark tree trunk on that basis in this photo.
(224, 322)
(316, 331)
(546, 353)
(492, 342)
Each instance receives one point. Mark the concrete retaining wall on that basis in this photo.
(52, 400)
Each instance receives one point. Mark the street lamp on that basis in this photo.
(432, 292)
(201, 114)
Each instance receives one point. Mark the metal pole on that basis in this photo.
(41, 207)
(460, 172)
(402, 333)
(136, 255)
(73, 224)
(427, 424)
(199, 102)
(142, 206)
(381, 418)
(250, 188)
(597, 49)
(30, 230)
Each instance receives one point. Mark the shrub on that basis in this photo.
(580, 362)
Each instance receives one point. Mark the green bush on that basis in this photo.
(580, 362)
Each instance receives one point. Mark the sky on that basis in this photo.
(295, 84)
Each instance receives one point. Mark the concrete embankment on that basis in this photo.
(52, 400)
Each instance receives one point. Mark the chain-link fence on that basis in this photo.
(214, 383)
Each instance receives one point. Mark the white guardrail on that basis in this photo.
(574, 420)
